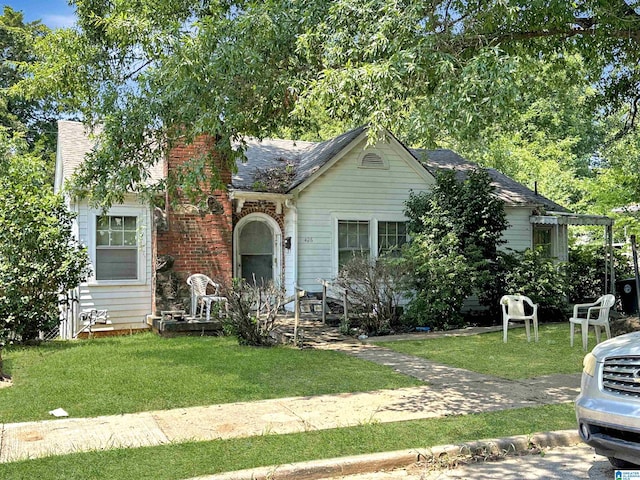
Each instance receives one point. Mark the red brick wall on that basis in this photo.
(199, 241)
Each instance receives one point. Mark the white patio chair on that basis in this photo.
(597, 315)
(199, 296)
(513, 310)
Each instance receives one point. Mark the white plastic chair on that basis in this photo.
(597, 316)
(513, 309)
(199, 296)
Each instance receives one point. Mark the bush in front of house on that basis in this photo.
(540, 278)
(440, 279)
(456, 229)
(252, 310)
(39, 258)
(374, 290)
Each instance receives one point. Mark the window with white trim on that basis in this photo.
(353, 240)
(391, 237)
(116, 247)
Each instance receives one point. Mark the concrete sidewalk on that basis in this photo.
(450, 391)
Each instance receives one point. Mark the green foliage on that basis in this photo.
(33, 118)
(156, 71)
(39, 259)
(586, 272)
(538, 277)
(374, 288)
(441, 281)
(456, 230)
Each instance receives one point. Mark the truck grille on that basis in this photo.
(622, 375)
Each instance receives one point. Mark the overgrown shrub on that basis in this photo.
(375, 289)
(586, 272)
(538, 277)
(252, 311)
(441, 280)
(39, 257)
(456, 230)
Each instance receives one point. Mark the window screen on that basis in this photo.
(116, 247)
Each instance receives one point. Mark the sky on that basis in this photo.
(53, 13)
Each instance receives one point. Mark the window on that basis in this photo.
(353, 239)
(116, 247)
(542, 238)
(391, 237)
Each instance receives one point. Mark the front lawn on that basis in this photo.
(516, 359)
(146, 372)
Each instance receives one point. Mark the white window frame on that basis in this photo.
(552, 230)
(141, 215)
(373, 220)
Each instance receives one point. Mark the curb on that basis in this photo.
(319, 469)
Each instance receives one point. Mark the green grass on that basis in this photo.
(192, 459)
(147, 372)
(517, 359)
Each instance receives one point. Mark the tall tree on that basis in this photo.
(17, 113)
(152, 71)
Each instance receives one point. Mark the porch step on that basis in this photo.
(310, 306)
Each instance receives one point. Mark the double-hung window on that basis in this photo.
(116, 247)
(369, 238)
(353, 240)
(391, 237)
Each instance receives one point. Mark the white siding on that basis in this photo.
(519, 232)
(348, 192)
(128, 302)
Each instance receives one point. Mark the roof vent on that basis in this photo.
(372, 160)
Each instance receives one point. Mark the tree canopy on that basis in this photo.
(155, 71)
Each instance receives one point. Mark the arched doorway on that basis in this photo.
(257, 248)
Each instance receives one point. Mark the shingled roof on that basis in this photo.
(507, 189)
(309, 157)
(74, 142)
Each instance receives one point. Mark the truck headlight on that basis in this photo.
(589, 364)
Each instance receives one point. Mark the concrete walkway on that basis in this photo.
(450, 391)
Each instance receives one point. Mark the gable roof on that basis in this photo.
(309, 157)
(74, 143)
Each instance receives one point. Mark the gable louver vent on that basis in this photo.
(372, 160)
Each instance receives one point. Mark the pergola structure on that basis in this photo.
(564, 219)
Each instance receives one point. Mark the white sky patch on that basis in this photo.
(59, 21)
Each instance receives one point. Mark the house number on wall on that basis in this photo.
(307, 239)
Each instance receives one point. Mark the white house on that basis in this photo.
(292, 212)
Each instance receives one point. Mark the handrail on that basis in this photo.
(326, 285)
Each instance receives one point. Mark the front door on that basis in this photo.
(255, 255)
